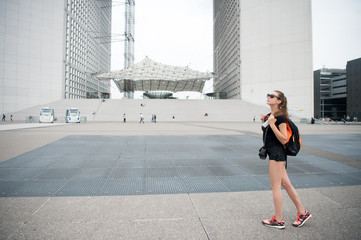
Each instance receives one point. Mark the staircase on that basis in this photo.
(165, 109)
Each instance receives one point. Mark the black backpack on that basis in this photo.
(293, 144)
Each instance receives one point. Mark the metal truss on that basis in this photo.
(129, 34)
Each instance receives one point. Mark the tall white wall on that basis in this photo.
(276, 52)
(31, 53)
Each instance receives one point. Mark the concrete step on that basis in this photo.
(165, 109)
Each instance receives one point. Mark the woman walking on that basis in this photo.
(276, 131)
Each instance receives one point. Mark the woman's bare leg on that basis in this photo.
(276, 172)
(291, 191)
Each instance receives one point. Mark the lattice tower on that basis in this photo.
(129, 34)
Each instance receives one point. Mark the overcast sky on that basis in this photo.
(336, 32)
(174, 32)
(180, 32)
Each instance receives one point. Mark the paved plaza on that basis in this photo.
(171, 180)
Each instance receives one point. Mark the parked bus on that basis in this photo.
(72, 115)
(47, 115)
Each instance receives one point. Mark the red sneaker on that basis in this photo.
(273, 223)
(302, 219)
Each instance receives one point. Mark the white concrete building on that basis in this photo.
(51, 50)
(264, 45)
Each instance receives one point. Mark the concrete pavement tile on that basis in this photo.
(20, 209)
(85, 209)
(213, 205)
(14, 143)
(148, 207)
(237, 204)
(347, 196)
(246, 227)
(70, 209)
(335, 224)
(311, 200)
(8, 227)
(355, 210)
(167, 229)
(14, 212)
(141, 229)
(59, 230)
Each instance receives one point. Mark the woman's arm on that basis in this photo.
(280, 133)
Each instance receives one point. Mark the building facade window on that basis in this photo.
(330, 94)
(88, 49)
(226, 48)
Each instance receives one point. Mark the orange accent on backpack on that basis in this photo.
(294, 141)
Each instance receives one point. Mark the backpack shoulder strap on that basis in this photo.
(293, 130)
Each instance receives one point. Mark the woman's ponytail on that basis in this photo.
(282, 107)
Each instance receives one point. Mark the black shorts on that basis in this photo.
(277, 153)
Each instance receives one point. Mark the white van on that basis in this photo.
(72, 115)
(46, 115)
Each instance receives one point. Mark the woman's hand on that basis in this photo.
(272, 120)
(262, 117)
(281, 131)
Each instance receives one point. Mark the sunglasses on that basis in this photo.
(272, 96)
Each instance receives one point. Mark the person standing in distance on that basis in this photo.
(141, 118)
(275, 140)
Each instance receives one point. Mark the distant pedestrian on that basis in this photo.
(141, 118)
(4, 118)
(124, 118)
(11, 117)
(254, 118)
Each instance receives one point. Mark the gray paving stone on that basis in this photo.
(107, 165)
(105, 206)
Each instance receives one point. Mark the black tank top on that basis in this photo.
(271, 139)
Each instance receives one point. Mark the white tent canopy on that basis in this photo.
(148, 75)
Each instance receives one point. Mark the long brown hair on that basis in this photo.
(282, 107)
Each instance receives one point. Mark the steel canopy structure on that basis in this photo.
(148, 75)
